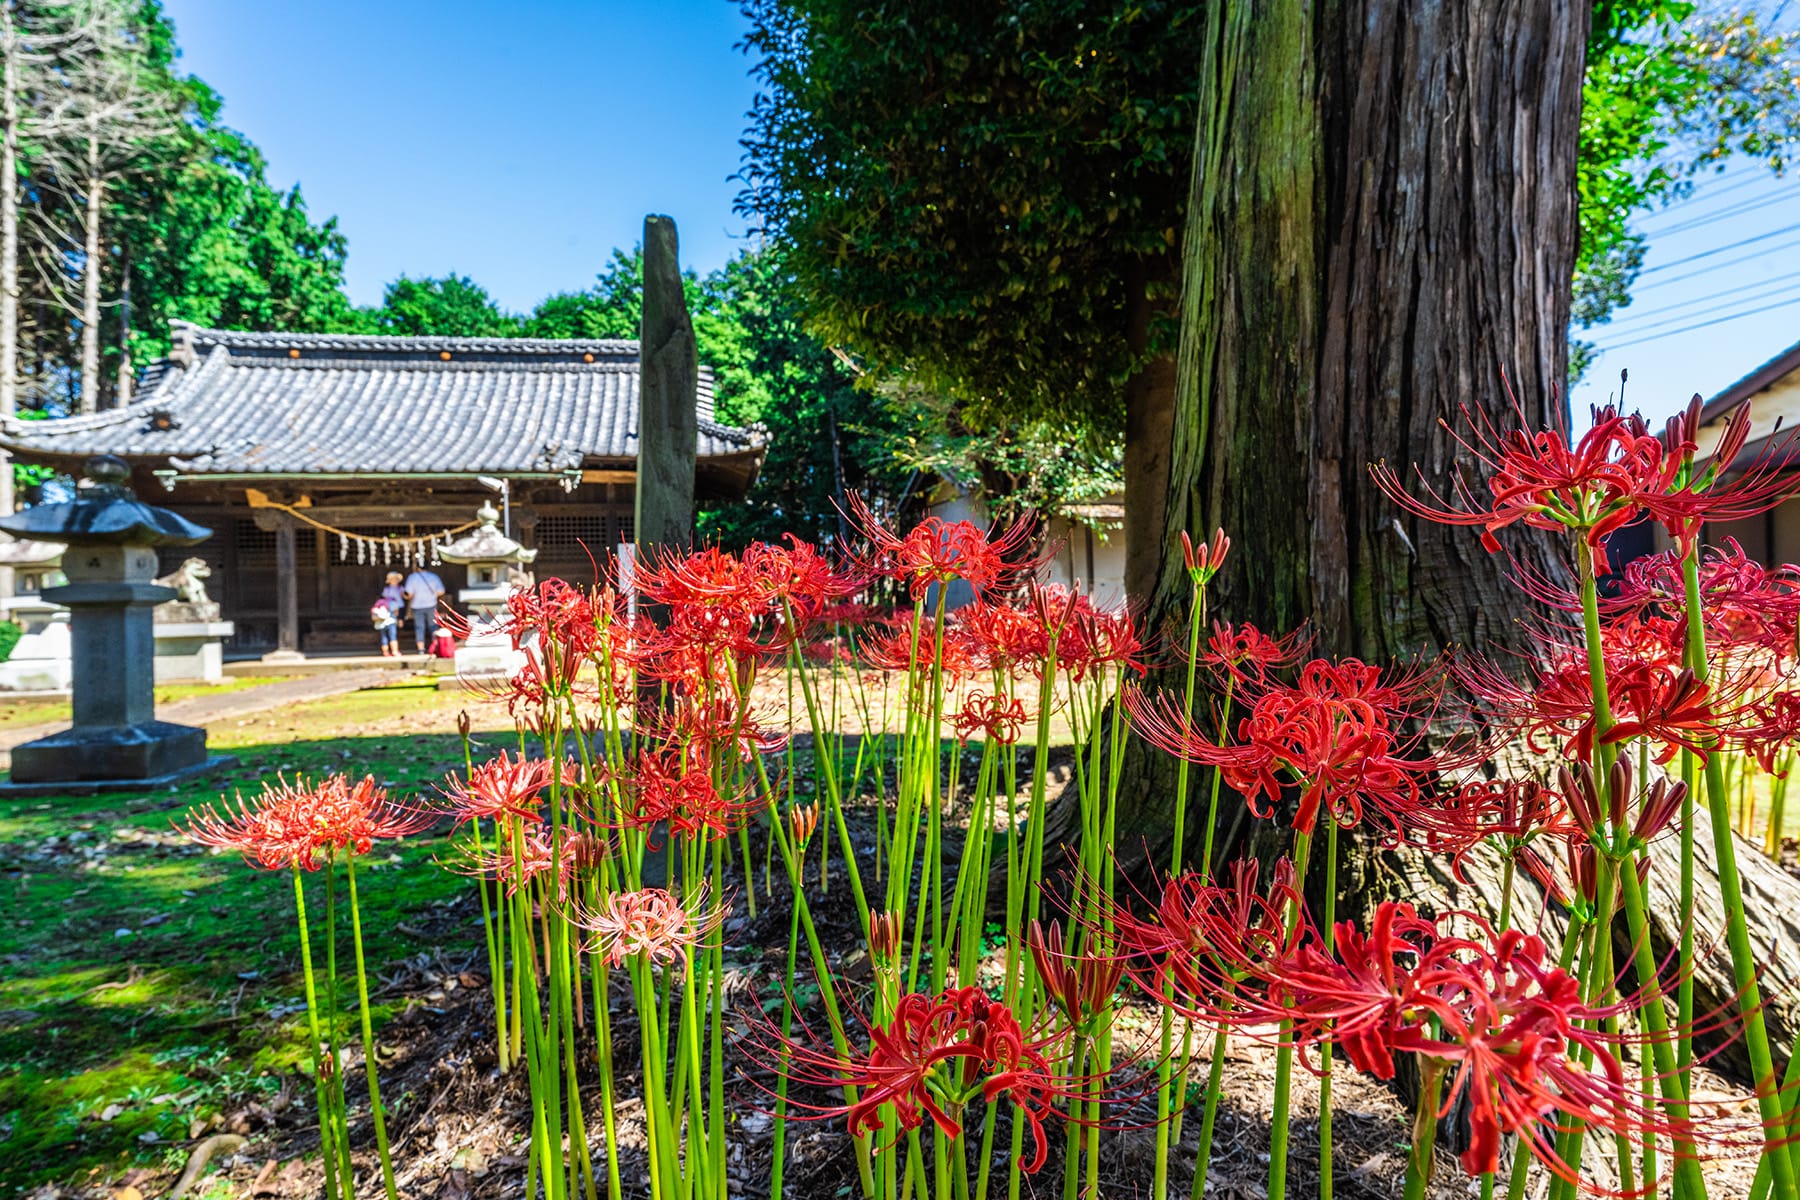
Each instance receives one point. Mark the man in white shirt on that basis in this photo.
(423, 588)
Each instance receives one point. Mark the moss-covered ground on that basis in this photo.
(148, 986)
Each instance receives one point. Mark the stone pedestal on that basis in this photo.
(116, 735)
(191, 651)
(40, 660)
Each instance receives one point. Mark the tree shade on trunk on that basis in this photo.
(1380, 231)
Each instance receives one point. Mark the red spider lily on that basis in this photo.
(1247, 649)
(1002, 637)
(1095, 639)
(532, 853)
(709, 727)
(1080, 985)
(706, 577)
(683, 794)
(914, 649)
(999, 719)
(936, 1055)
(1510, 1024)
(1650, 696)
(650, 922)
(558, 612)
(1204, 937)
(1672, 710)
(1204, 561)
(288, 824)
(936, 551)
(1333, 734)
(504, 787)
(1512, 813)
(1744, 604)
(1593, 487)
(1771, 728)
(1684, 499)
(798, 579)
(803, 820)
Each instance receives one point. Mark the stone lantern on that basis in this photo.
(112, 539)
(496, 565)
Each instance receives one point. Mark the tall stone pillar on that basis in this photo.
(669, 372)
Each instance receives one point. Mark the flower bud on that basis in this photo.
(802, 820)
(463, 723)
(884, 935)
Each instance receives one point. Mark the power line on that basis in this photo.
(1763, 293)
(1739, 292)
(1730, 262)
(1705, 193)
(1701, 325)
(1761, 237)
(1724, 214)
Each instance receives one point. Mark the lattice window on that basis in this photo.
(563, 536)
(255, 547)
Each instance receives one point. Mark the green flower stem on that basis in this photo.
(329, 1132)
(333, 1021)
(1516, 1177)
(1737, 931)
(1688, 1179)
(1425, 1120)
(1284, 1052)
(1329, 936)
(826, 761)
(1209, 1111)
(822, 973)
(368, 1037)
(778, 1153)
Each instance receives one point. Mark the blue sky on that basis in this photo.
(1719, 294)
(509, 142)
(513, 143)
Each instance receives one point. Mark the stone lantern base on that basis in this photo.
(139, 753)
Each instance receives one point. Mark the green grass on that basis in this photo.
(146, 984)
(16, 711)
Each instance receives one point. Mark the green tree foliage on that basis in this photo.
(1672, 90)
(450, 306)
(981, 199)
(194, 231)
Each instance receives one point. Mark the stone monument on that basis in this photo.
(112, 539)
(189, 634)
(496, 564)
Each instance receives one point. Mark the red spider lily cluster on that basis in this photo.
(682, 758)
(1337, 732)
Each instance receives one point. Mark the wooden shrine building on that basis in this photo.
(322, 461)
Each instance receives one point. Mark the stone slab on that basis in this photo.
(91, 787)
(144, 750)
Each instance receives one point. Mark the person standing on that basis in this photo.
(423, 588)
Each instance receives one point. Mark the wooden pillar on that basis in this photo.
(287, 586)
(669, 369)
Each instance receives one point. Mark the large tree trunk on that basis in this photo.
(90, 285)
(1381, 230)
(9, 250)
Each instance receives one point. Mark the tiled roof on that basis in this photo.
(285, 404)
(1771, 372)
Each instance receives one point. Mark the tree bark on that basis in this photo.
(90, 284)
(1380, 231)
(9, 251)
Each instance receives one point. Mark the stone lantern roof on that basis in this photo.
(487, 544)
